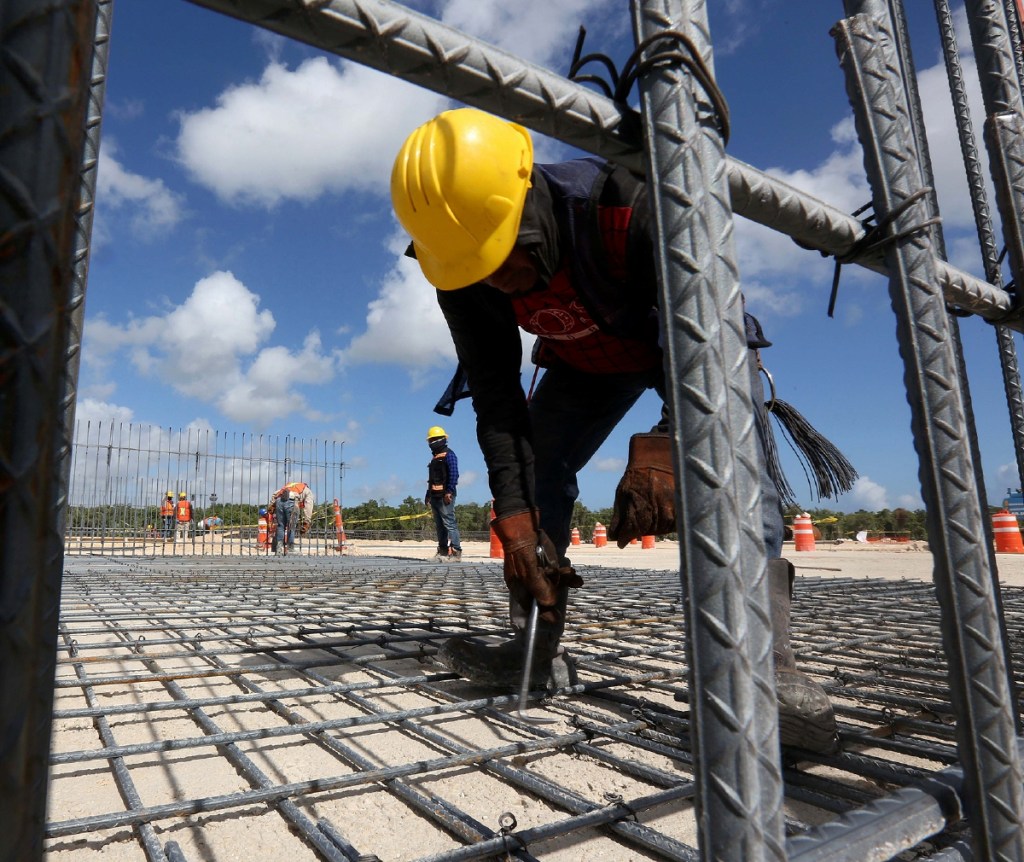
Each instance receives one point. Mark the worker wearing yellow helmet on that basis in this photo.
(167, 516)
(442, 486)
(564, 252)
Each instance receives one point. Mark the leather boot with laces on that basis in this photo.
(806, 717)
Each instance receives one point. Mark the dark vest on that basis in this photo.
(437, 473)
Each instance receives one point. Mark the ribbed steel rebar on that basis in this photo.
(889, 688)
(978, 673)
(45, 61)
(718, 490)
(388, 37)
(1004, 123)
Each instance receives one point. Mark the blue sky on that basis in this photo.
(246, 269)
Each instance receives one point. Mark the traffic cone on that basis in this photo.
(600, 535)
(647, 543)
(574, 536)
(261, 536)
(1006, 533)
(803, 532)
(497, 551)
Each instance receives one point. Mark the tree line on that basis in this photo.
(411, 519)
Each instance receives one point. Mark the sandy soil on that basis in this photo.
(370, 815)
(893, 561)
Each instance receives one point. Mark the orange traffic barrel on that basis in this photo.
(803, 532)
(600, 535)
(575, 536)
(497, 551)
(647, 542)
(261, 537)
(1006, 533)
(339, 526)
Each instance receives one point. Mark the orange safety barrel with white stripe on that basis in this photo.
(803, 532)
(574, 536)
(600, 535)
(339, 526)
(1006, 533)
(497, 551)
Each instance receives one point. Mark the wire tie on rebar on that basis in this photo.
(507, 823)
(73, 648)
(381, 640)
(197, 642)
(249, 639)
(644, 715)
(617, 799)
(137, 646)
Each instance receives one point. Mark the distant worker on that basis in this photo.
(167, 516)
(442, 481)
(291, 506)
(183, 514)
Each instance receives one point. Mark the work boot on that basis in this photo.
(501, 665)
(455, 556)
(441, 556)
(806, 718)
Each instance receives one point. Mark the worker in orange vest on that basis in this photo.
(183, 515)
(292, 506)
(167, 516)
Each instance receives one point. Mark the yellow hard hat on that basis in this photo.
(170, 494)
(435, 431)
(458, 187)
(182, 495)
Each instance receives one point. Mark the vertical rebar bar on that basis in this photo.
(718, 498)
(46, 60)
(971, 631)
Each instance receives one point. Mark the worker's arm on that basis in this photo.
(487, 342)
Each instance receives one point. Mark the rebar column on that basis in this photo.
(971, 625)
(718, 500)
(1004, 122)
(46, 56)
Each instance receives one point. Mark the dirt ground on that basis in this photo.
(88, 784)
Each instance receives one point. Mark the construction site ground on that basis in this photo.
(214, 709)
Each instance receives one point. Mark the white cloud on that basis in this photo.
(151, 206)
(200, 348)
(868, 495)
(300, 134)
(404, 325)
(537, 30)
(92, 410)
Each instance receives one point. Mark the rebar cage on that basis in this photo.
(55, 65)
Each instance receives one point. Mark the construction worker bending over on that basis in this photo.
(442, 485)
(565, 252)
(292, 506)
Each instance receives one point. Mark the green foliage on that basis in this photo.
(411, 519)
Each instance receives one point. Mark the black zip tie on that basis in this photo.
(873, 238)
(617, 799)
(662, 58)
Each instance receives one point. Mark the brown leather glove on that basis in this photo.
(645, 500)
(305, 527)
(531, 563)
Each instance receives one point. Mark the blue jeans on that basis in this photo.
(444, 523)
(572, 413)
(284, 512)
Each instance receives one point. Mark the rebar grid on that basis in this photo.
(199, 700)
